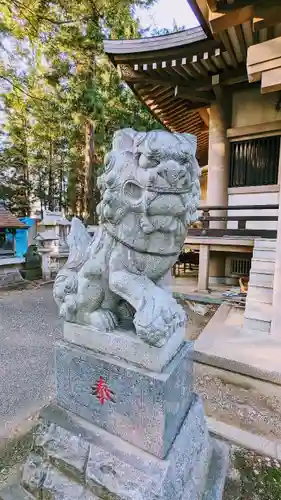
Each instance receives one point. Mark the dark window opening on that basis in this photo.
(254, 162)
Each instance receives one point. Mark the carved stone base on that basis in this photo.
(125, 344)
(75, 460)
(142, 407)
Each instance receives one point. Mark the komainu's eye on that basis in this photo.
(132, 191)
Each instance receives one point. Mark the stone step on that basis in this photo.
(265, 243)
(261, 279)
(258, 310)
(262, 266)
(15, 492)
(266, 286)
(254, 324)
(264, 254)
(260, 293)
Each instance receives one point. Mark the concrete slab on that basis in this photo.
(256, 325)
(240, 401)
(258, 310)
(227, 345)
(248, 440)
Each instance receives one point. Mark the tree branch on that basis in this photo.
(20, 88)
(44, 18)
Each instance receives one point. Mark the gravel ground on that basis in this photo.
(29, 325)
(239, 406)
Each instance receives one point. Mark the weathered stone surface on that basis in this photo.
(34, 474)
(58, 487)
(143, 461)
(189, 457)
(108, 476)
(46, 483)
(9, 278)
(147, 408)
(217, 473)
(64, 449)
(117, 470)
(150, 193)
(15, 492)
(125, 344)
(194, 468)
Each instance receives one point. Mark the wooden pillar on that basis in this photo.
(218, 164)
(203, 276)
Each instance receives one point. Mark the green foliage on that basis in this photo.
(260, 476)
(58, 83)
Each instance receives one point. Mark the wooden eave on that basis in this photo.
(178, 76)
(175, 81)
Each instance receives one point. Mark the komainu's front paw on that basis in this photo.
(68, 308)
(158, 318)
(103, 320)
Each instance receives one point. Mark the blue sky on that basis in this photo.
(165, 12)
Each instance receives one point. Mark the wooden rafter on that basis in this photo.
(212, 4)
(220, 22)
(263, 14)
(203, 97)
(200, 83)
(204, 114)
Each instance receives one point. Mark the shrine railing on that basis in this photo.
(258, 215)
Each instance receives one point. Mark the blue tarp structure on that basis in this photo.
(22, 236)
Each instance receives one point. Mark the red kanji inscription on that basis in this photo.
(102, 392)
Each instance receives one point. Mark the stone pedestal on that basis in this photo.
(46, 263)
(120, 431)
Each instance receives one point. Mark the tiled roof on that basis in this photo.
(10, 221)
(47, 235)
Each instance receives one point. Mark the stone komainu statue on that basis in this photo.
(150, 194)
